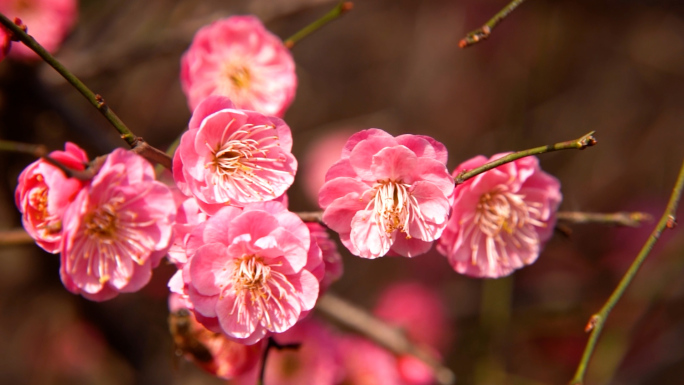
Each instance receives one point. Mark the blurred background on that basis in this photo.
(552, 71)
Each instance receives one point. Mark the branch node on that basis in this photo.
(671, 222)
(99, 100)
(347, 6)
(593, 321)
(21, 25)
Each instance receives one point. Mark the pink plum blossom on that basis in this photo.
(419, 312)
(238, 58)
(331, 257)
(211, 351)
(117, 229)
(365, 363)
(388, 193)
(44, 192)
(251, 271)
(320, 154)
(5, 42)
(311, 358)
(233, 157)
(48, 21)
(416, 309)
(501, 218)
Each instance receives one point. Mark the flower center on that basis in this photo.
(505, 218)
(395, 207)
(38, 201)
(258, 287)
(102, 223)
(238, 162)
(239, 76)
(110, 235)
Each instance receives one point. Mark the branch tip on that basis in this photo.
(587, 140)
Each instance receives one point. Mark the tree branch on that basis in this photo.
(598, 320)
(585, 141)
(633, 219)
(385, 335)
(483, 32)
(339, 10)
(19, 34)
(15, 237)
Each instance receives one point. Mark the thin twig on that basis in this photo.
(598, 320)
(339, 10)
(633, 219)
(15, 237)
(585, 141)
(19, 34)
(483, 32)
(385, 335)
(272, 343)
(36, 150)
(40, 151)
(311, 216)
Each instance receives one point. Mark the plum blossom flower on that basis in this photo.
(501, 218)
(117, 229)
(419, 311)
(211, 351)
(314, 360)
(251, 271)
(233, 157)
(44, 192)
(388, 193)
(238, 58)
(48, 21)
(5, 42)
(364, 362)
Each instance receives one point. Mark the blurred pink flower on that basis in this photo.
(5, 42)
(414, 371)
(388, 193)
(416, 309)
(320, 155)
(501, 218)
(117, 229)
(233, 157)
(238, 58)
(365, 363)
(211, 351)
(314, 362)
(331, 257)
(48, 21)
(44, 192)
(251, 271)
(419, 312)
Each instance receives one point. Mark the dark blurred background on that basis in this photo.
(552, 71)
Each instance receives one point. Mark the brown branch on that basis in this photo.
(483, 32)
(15, 237)
(585, 141)
(598, 320)
(631, 219)
(383, 334)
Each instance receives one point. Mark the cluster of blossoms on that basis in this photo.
(247, 267)
(322, 356)
(394, 195)
(110, 230)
